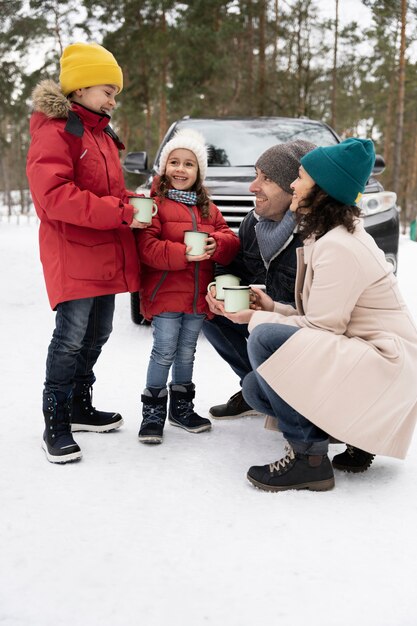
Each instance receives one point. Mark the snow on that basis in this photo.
(175, 534)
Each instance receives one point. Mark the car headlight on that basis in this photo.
(372, 203)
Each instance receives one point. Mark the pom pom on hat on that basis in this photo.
(281, 162)
(187, 139)
(343, 170)
(86, 65)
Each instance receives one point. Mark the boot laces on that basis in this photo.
(185, 408)
(87, 399)
(350, 449)
(154, 415)
(282, 463)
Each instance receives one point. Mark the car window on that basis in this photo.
(238, 143)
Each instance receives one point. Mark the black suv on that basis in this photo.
(235, 145)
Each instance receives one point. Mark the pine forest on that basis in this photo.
(216, 58)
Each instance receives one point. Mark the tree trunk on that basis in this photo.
(400, 105)
(261, 69)
(163, 122)
(334, 71)
(249, 51)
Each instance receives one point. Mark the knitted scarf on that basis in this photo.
(186, 197)
(273, 236)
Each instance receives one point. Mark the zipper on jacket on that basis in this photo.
(193, 218)
(197, 264)
(158, 285)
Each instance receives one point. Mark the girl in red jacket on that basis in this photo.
(174, 283)
(87, 247)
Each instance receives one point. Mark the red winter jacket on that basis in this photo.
(169, 282)
(86, 246)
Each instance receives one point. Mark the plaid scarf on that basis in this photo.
(186, 197)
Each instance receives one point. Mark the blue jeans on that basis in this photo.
(230, 341)
(304, 437)
(174, 342)
(82, 327)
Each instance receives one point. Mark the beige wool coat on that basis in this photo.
(352, 368)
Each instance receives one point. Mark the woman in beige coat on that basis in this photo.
(344, 362)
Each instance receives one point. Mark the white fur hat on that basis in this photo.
(190, 140)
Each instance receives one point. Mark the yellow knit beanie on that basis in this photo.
(86, 65)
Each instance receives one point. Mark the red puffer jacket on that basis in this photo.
(86, 246)
(169, 282)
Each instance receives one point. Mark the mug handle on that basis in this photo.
(154, 208)
(210, 285)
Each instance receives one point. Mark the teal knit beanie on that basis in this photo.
(343, 170)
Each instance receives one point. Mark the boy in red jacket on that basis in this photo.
(87, 246)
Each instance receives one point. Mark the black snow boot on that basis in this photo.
(353, 460)
(181, 409)
(58, 442)
(154, 413)
(294, 471)
(84, 416)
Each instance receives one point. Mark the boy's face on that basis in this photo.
(99, 98)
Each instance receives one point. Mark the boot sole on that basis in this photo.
(91, 428)
(197, 429)
(322, 485)
(65, 458)
(352, 470)
(235, 417)
(153, 439)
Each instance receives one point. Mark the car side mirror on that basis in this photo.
(136, 162)
(379, 165)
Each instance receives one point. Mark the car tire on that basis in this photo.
(135, 314)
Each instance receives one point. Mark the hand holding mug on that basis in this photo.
(215, 306)
(241, 317)
(193, 258)
(260, 301)
(136, 224)
(211, 246)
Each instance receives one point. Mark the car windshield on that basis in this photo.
(238, 143)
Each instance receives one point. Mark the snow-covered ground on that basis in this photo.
(175, 534)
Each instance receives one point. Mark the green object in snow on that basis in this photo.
(413, 230)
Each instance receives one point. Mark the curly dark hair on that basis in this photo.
(324, 213)
(203, 200)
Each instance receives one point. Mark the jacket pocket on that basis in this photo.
(90, 254)
(86, 171)
(388, 347)
(281, 285)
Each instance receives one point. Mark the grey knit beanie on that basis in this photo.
(281, 162)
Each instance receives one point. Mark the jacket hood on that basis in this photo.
(48, 99)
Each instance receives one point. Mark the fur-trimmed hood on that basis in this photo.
(48, 99)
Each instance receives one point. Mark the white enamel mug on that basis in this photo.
(225, 280)
(146, 208)
(197, 240)
(236, 298)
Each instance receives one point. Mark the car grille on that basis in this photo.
(233, 208)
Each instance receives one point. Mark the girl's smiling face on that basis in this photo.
(182, 169)
(301, 187)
